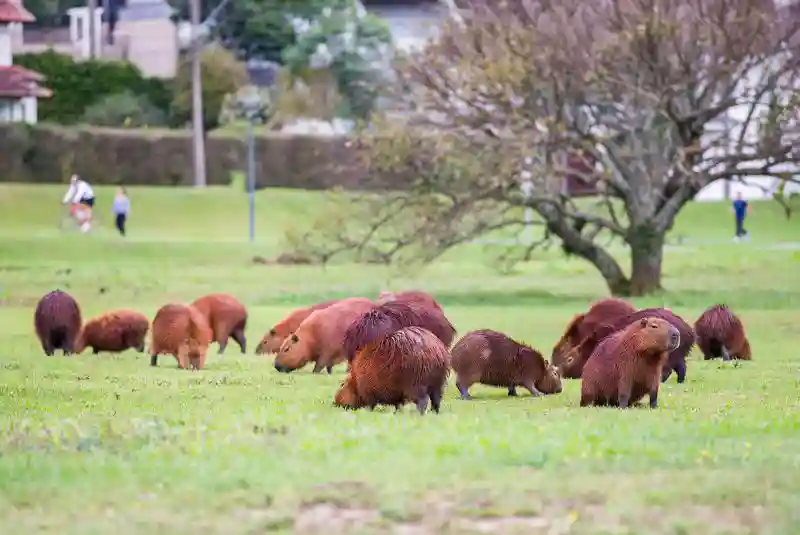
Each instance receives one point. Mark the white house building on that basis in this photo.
(19, 87)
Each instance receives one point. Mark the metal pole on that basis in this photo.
(198, 141)
(92, 30)
(251, 177)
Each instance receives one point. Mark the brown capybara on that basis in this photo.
(113, 331)
(57, 320)
(491, 358)
(582, 325)
(720, 333)
(409, 365)
(577, 357)
(226, 316)
(392, 316)
(271, 342)
(320, 337)
(181, 331)
(409, 296)
(627, 365)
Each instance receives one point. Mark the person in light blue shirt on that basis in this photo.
(740, 211)
(122, 207)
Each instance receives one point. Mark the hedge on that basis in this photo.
(49, 154)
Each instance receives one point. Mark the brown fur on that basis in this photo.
(583, 325)
(320, 337)
(227, 318)
(410, 296)
(627, 365)
(181, 331)
(410, 364)
(492, 358)
(57, 320)
(114, 331)
(720, 333)
(392, 316)
(271, 342)
(577, 357)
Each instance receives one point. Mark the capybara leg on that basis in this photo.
(624, 399)
(725, 354)
(398, 407)
(318, 366)
(666, 374)
(222, 346)
(422, 403)
(153, 360)
(463, 390)
(436, 398)
(329, 369)
(238, 336)
(48, 348)
(140, 348)
(512, 390)
(654, 399)
(586, 401)
(530, 387)
(95, 351)
(680, 371)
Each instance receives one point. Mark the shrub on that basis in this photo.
(125, 109)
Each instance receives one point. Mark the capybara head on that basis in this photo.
(377, 324)
(293, 354)
(745, 353)
(550, 383)
(79, 345)
(655, 334)
(567, 340)
(385, 296)
(271, 343)
(347, 396)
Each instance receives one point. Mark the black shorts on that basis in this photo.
(87, 201)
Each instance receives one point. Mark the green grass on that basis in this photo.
(102, 444)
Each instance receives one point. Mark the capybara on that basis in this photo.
(320, 337)
(181, 331)
(415, 296)
(492, 358)
(720, 333)
(582, 325)
(226, 316)
(57, 320)
(113, 331)
(577, 357)
(627, 365)
(271, 342)
(410, 364)
(392, 316)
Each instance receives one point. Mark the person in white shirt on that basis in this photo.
(81, 193)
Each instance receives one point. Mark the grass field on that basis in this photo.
(107, 444)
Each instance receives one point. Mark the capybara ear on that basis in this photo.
(643, 322)
(295, 339)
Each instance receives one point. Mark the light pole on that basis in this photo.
(253, 109)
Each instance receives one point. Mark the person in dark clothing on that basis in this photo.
(740, 211)
(122, 207)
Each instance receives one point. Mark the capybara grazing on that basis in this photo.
(271, 342)
(57, 320)
(720, 333)
(226, 316)
(414, 296)
(114, 331)
(492, 358)
(392, 316)
(582, 325)
(627, 365)
(409, 365)
(181, 331)
(577, 357)
(320, 337)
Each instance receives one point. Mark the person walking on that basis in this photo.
(80, 194)
(122, 207)
(740, 210)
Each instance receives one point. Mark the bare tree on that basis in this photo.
(657, 99)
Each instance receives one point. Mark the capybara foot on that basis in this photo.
(140, 348)
(654, 400)
(153, 360)
(422, 404)
(534, 392)
(512, 390)
(238, 336)
(463, 391)
(436, 400)
(95, 351)
(725, 354)
(222, 348)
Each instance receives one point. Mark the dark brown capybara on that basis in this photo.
(600, 312)
(576, 359)
(57, 320)
(392, 316)
(271, 342)
(114, 331)
(409, 296)
(320, 338)
(227, 318)
(720, 333)
(183, 332)
(627, 365)
(409, 365)
(490, 357)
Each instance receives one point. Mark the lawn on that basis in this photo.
(106, 444)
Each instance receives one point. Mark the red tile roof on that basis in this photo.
(14, 11)
(18, 82)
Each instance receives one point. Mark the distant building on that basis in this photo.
(19, 87)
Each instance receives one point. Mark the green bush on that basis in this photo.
(77, 85)
(125, 109)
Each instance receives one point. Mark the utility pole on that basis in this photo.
(92, 6)
(198, 140)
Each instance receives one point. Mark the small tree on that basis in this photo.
(650, 100)
(125, 109)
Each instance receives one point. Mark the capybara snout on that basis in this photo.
(674, 338)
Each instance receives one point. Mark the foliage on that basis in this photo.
(221, 73)
(77, 85)
(350, 43)
(246, 103)
(647, 101)
(125, 109)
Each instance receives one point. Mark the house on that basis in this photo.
(19, 87)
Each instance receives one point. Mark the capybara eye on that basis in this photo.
(272, 332)
(295, 338)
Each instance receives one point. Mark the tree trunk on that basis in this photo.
(647, 253)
